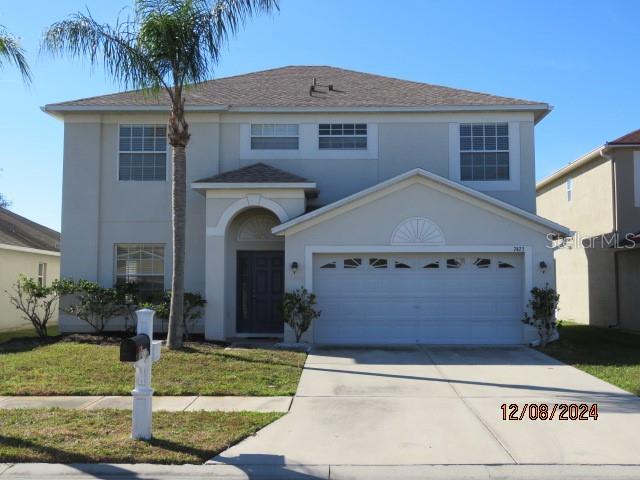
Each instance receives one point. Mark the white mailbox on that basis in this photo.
(143, 393)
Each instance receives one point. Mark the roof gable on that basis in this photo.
(256, 173)
(293, 86)
(364, 196)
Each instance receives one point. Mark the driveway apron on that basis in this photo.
(421, 405)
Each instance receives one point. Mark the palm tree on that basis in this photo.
(12, 52)
(167, 45)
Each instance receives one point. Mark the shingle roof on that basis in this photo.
(256, 173)
(22, 232)
(290, 87)
(632, 138)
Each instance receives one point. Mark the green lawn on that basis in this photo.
(72, 436)
(608, 354)
(7, 335)
(74, 368)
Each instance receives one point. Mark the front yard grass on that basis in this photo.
(72, 436)
(608, 354)
(67, 367)
(7, 335)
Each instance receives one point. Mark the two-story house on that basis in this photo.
(408, 208)
(598, 197)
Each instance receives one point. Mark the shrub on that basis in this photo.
(96, 304)
(38, 303)
(543, 305)
(127, 294)
(192, 310)
(298, 310)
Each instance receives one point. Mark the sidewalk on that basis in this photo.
(170, 404)
(311, 472)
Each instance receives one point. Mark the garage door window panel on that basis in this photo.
(433, 264)
(455, 263)
(352, 263)
(378, 263)
(482, 262)
(401, 265)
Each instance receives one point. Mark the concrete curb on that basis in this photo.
(160, 403)
(310, 472)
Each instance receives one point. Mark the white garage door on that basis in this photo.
(455, 298)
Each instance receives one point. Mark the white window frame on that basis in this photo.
(484, 150)
(486, 185)
(167, 152)
(262, 124)
(42, 274)
(308, 141)
(164, 261)
(569, 186)
(354, 135)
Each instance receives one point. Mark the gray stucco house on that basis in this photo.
(598, 197)
(408, 208)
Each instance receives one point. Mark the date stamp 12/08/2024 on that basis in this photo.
(543, 411)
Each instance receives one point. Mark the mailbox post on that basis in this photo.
(142, 350)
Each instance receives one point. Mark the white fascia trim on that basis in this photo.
(593, 154)
(6, 246)
(585, 159)
(251, 186)
(539, 107)
(431, 176)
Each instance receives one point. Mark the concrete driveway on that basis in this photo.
(442, 405)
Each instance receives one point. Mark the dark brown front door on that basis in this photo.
(260, 286)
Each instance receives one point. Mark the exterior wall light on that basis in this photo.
(294, 267)
(543, 266)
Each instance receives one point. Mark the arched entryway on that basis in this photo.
(255, 274)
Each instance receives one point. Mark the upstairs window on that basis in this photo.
(484, 151)
(270, 136)
(143, 153)
(569, 189)
(143, 265)
(342, 136)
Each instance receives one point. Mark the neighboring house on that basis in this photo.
(408, 208)
(26, 248)
(598, 197)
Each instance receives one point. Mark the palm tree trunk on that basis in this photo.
(178, 137)
(174, 337)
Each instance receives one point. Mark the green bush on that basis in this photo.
(193, 304)
(543, 305)
(298, 310)
(38, 303)
(96, 304)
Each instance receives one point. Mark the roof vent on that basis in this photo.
(318, 88)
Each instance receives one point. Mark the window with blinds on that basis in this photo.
(342, 136)
(270, 136)
(142, 153)
(141, 264)
(484, 151)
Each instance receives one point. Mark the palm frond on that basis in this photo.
(80, 36)
(12, 52)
